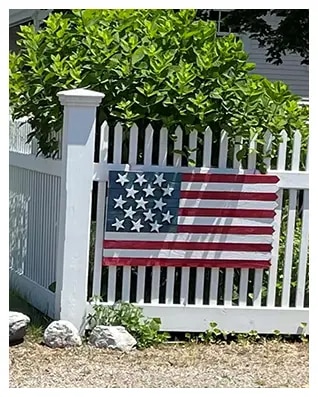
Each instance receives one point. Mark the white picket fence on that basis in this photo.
(52, 240)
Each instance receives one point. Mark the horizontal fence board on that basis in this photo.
(197, 318)
(33, 163)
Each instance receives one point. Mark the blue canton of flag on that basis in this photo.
(144, 202)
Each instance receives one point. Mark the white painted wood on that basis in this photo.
(303, 254)
(163, 147)
(170, 284)
(38, 296)
(148, 145)
(162, 160)
(229, 187)
(185, 272)
(223, 150)
(199, 286)
(31, 162)
(184, 290)
(75, 215)
(251, 164)
(98, 256)
(214, 286)
(267, 147)
(288, 179)
(190, 220)
(281, 164)
(100, 213)
(193, 137)
(207, 147)
(258, 274)
(291, 224)
(237, 147)
(182, 254)
(196, 318)
(228, 288)
(231, 204)
(155, 284)
(133, 145)
(289, 246)
(177, 157)
(141, 275)
(296, 151)
(118, 142)
(125, 294)
(188, 237)
(111, 284)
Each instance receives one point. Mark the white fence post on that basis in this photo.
(75, 215)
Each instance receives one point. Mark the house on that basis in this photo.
(291, 72)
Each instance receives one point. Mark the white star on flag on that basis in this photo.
(137, 225)
(141, 203)
(131, 192)
(118, 224)
(166, 217)
(149, 190)
(159, 180)
(149, 215)
(119, 202)
(159, 204)
(167, 190)
(140, 179)
(122, 179)
(129, 213)
(155, 226)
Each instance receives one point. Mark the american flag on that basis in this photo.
(189, 219)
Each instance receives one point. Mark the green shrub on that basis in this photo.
(144, 330)
(156, 66)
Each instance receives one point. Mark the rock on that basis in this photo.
(112, 337)
(17, 326)
(61, 333)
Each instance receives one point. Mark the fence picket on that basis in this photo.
(141, 272)
(281, 164)
(229, 273)
(258, 274)
(117, 155)
(207, 148)
(303, 254)
(100, 213)
(291, 224)
(251, 164)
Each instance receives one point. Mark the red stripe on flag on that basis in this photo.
(234, 213)
(194, 194)
(267, 230)
(240, 264)
(229, 178)
(182, 245)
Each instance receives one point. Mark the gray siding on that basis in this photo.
(291, 72)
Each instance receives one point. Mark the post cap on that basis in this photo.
(80, 97)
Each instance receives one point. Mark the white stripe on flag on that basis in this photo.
(229, 187)
(222, 221)
(182, 254)
(231, 204)
(190, 237)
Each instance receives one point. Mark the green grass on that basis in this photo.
(38, 321)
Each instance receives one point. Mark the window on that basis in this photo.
(218, 16)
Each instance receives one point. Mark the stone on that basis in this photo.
(17, 326)
(114, 337)
(61, 334)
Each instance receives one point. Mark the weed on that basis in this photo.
(146, 331)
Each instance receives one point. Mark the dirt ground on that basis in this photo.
(265, 364)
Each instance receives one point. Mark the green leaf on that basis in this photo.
(138, 55)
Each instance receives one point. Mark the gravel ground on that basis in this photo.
(267, 364)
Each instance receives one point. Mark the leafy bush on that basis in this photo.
(144, 330)
(156, 66)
